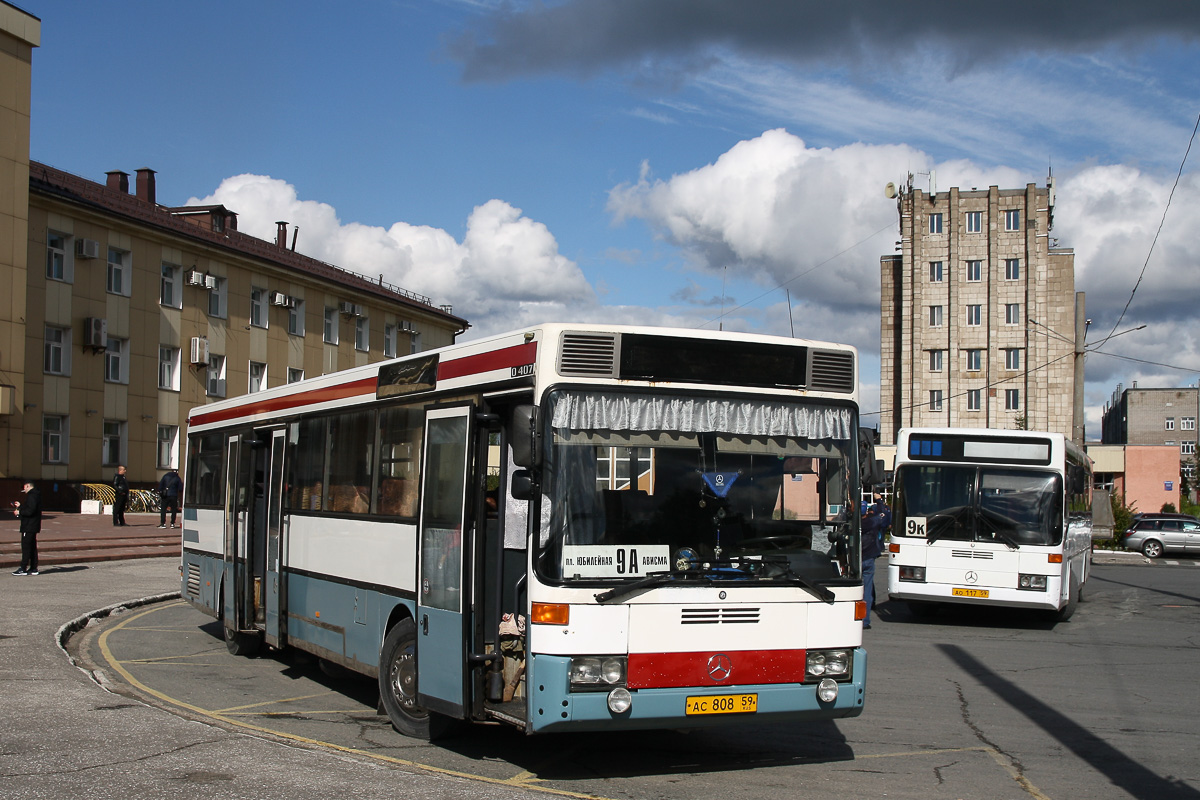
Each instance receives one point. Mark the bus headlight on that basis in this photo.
(912, 574)
(597, 673)
(619, 700)
(831, 664)
(827, 690)
(1032, 583)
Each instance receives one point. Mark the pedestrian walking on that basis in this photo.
(872, 528)
(30, 513)
(120, 496)
(170, 489)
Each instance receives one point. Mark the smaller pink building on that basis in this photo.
(1147, 476)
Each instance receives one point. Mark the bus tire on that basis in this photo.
(1068, 610)
(242, 644)
(398, 686)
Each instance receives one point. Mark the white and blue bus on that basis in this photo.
(991, 517)
(562, 528)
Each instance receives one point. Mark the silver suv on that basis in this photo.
(1155, 536)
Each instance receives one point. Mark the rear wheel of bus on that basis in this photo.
(398, 686)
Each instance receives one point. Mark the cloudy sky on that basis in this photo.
(683, 162)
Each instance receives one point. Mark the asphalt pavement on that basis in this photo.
(66, 735)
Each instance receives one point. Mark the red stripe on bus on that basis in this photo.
(277, 405)
(702, 670)
(517, 356)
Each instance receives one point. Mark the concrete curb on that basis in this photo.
(82, 621)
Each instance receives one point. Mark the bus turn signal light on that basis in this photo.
(860, 609)
(1054, 558)
(550, 613)
(893, 547)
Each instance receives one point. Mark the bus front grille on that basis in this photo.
(971, 553)
(719, 616)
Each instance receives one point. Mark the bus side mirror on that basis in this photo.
(526, 436)
(522, 485)
(870, 469)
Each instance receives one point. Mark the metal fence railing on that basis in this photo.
(140, 500)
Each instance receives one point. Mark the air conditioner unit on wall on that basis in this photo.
(199, 350)
(95, 332)
(211, 281)
(197, 278)
(279, 299)
(359, 310)
(346, 308)
(87, 248)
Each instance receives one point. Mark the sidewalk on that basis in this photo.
(75, 538)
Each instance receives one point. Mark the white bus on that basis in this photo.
(992, 517)
(563, 528)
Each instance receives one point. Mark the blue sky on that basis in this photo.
(653, 160)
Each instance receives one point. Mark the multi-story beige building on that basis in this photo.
(979, 315)
(125, 314)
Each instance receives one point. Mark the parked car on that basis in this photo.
(1155, 534)
(1163, 515)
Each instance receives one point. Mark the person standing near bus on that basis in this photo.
(120, 496)
(872, 529)
(30, 513)
(169, 489)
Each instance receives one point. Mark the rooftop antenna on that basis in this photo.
(791, 325)
(724, 275)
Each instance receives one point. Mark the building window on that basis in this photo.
(116, 361)
(935, 223)
(362, 334)
(1012, 219)
(1012, 313)
(1187, 448)
(218, 293)
(974, 221)
(974, 360)
(54, 439)
(57, 351)
(168, 368)
(935, 399)
(58, 256)
(216, 376)
(974, 271)
(1170, 423)
(935, 316)
(1187, 423)
(974, 314)
(118, 271)
(1012, 269)
(389, 341)
(295, 375)
(1012, 399)
(414, 338)
(258, 307)
(171, 293)
(974, 398)
(331, 325)
(296, 318)
(111, 443)
(1012, 359)
(168, 447)
(935, 272)
(258, 377)
(935, 360)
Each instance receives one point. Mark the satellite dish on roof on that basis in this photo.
(889, 191)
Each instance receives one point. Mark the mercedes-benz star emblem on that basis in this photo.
(719, 667)
(972, 576)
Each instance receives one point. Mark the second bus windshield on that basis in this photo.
(966, 503)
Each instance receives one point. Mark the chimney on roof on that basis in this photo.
(145, 185)
(281, 235)
(118, 180)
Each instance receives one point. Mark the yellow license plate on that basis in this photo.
(957, 592)
(723, 704)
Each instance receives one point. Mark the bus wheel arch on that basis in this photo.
(237, 642)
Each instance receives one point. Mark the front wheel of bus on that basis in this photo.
(398, 685)
(1068, 610)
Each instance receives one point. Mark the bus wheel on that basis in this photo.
(242, 644)
(1068, 610)
(398, 685)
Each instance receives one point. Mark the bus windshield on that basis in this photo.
(979, 504)
(728, 488)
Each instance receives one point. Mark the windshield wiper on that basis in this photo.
(817, 590)
(652, 579)
(996, 520)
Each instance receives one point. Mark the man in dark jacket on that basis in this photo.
(30, 513)
(121, 496)
(170, 489)
(872, 529)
